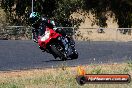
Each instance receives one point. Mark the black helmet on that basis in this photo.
(34, 17)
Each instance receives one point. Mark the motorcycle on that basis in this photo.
(57, 45)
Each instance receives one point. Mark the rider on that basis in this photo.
(39, 25)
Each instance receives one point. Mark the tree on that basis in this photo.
(121, 8)
(62, 9)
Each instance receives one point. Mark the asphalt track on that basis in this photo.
(18, 54)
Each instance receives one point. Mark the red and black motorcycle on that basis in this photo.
(57, 45)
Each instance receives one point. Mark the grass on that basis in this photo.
(62, 78)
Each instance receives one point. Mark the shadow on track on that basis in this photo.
(56, 60)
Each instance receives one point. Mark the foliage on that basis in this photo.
(18, 10)
(121, 8)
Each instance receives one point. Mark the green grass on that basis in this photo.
(62, 78)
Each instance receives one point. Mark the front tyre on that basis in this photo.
(55, 50)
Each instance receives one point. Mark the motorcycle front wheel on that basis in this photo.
(58, 53)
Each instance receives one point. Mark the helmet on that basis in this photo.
(52, 22)
(34, 17)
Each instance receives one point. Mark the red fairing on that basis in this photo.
(49, 34)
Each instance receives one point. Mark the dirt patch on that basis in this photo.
(110, 34)
(89, 32)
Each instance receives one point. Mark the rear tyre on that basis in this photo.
(58, 53)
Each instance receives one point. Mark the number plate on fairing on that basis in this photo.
(46, 36)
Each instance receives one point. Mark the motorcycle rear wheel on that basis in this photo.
(74, 55)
